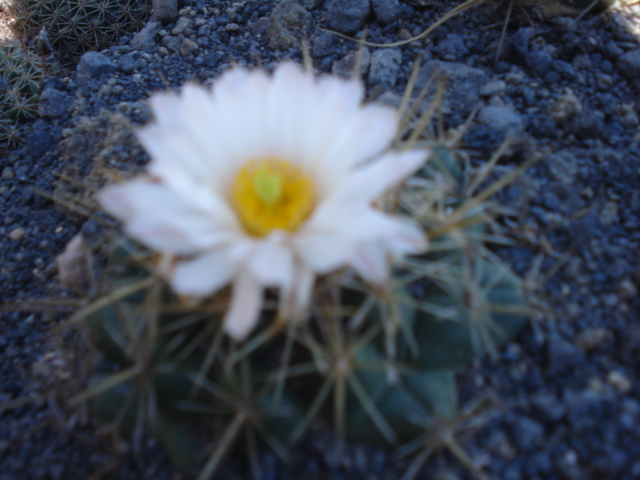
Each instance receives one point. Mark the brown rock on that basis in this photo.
(73, 267)
(289, 20)
(567, 107)
(165, 11)
(188, 47)
(592, 338)
(17, 234)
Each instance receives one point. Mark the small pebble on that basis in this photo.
(628, 289)
(592, 338)
(619, 381)
(17, 234)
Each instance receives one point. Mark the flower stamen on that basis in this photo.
(268, 185)
(270, 194)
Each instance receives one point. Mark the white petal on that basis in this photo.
(204, 274)
(164, 106)
(271, 263)
(290, 112)
(370, 261)
(401, 235)
(372, 257)
(367, 132)
(408, 239)
(202, 132)
(368, 182)
(161, 219)
(181, 133)
(324, 252)
(201, 195)
(244, 311)
(328, 107)
(240, 123)
(295, 302)
(330, 239)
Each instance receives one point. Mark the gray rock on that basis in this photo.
(519, 41)
(39, 141)
(347, 16)
(565, 108)
(540, 62)
(127, 62)
(526, 433)
(497, 87)
(562, 166)
(390, 99)
(289, 20)
(346, 66)
(629, 65)
(259, 27)
(450, 70)
(463, 83)
(165, 11)
(568, 466)
(612, 50)
(563, 356)
(144, 40)
(549, 408)
(565, 69)
(619, 381)
(565, 24)
(604, 81)
(385, 65)
(187, 47)
(323, 45)
(452, 48)
(588, 125)
(631, 343)
(93, 65)
(499, 443)
(54, 103)
(386, 11)
(181, 25)
(501, 118)
(172, 43)
(310, 4)
(204, 31)
(592, 338)
(581, 407)
(8, 173)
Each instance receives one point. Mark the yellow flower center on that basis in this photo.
(272, 194)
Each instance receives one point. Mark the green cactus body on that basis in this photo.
(76, 26)
(21, 74)
(377, 364)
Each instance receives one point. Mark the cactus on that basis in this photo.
(74, 27)
(20, 76)
(377, 364)
(374, 361)
(10, 135)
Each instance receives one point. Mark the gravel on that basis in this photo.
(568, 385)
(347, 16)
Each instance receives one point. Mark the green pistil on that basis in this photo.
(268, 185)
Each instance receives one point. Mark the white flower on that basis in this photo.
(267, 181)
